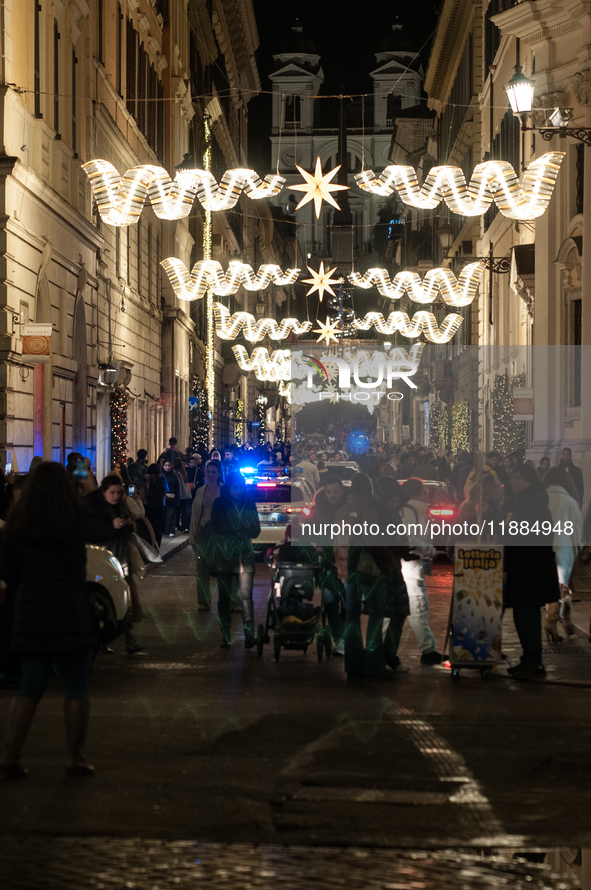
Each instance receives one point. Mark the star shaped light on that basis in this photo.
(328, 331)
(317, 187)
(321, 281)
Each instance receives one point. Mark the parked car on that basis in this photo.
(443, 506)
(104, 576)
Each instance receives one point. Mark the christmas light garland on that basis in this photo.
(458, 292)
(209, 273)
(434, 412)
(444, 428)
(508, 434)
(120, 199)
(491, 181)
(460, 426)
(118, 411)
(438, 282)
(200, 435)
(229, 327)
(421, 323)
(272, 368)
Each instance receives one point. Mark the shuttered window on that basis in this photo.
(37, 57)
(74, 103)
(119, 60)
(101, 31)
(161, 124)
(142, 91)
(131, 83)
(56, 80)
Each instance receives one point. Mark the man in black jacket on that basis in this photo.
(327, 500)
(573, 471)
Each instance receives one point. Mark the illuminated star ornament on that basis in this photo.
(321, 281)
(318, 187)
(328, 331)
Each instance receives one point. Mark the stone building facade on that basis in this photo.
(538, 302)
(130, 81)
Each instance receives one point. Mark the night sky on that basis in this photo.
(346, 41)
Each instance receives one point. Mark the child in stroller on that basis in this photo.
(296, 571)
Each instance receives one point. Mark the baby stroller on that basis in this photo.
(295, 623)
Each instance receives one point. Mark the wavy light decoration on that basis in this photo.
(120, 199)
(274, 367)
(193, 285)
(421, 322)
(491, 181)
(229, 327)
(455, 291)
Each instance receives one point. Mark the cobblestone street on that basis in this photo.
(197, 746)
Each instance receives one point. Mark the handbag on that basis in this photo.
(148, 553)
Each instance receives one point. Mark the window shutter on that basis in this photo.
(37, 58)
(74, 104)
(56, 80)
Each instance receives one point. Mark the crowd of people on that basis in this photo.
(47, 618)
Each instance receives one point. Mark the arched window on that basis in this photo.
(292, 112)
(393, 106)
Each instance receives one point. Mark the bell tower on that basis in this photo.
(296, 80)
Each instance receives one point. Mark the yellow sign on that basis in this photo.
(477, 604)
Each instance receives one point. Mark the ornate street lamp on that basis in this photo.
(520, 92)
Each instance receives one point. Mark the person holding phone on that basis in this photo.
(109, 505)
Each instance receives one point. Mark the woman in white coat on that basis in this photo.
(564, 508)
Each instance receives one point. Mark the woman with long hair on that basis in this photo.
(530, 568)
(43, 561)
(109, 504)
(200, 529)
(152, 496)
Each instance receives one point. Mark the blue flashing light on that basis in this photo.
(358, 442)
(248, 471)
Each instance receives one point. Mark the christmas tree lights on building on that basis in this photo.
(118, 410)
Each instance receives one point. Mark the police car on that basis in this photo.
(278, 499)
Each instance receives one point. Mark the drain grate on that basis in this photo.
(372, 795)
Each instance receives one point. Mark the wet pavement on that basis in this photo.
(198, 745)
(108, 862)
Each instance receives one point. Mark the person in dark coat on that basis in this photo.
(234, 523)
(152, 496)
(43, 560)
(566, 463)
(171, 497)
(138, 469)
(530, 570)
(109, 506)
(327, 500)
